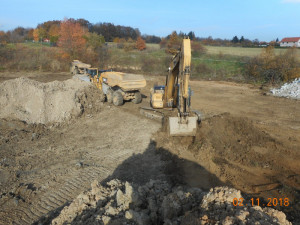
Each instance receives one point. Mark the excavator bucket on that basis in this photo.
(186, 128)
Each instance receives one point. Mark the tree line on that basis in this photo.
(49, 31)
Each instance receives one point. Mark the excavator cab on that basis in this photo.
(157, 96)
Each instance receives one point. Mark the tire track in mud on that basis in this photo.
(60, 181)
(52, 199)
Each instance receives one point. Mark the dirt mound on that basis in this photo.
(236, 152)
(157, 202)
(36, 102)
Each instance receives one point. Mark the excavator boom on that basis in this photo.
(184, 124)
(177, 94)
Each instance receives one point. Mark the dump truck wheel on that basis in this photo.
(118, 98)
(76, 71)
(109, 96)
(137, 98)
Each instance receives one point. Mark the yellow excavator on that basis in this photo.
(177, 94)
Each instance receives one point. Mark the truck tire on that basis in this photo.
(137, 98)
(75, 71)
(151, 101)
(109, 96)
(118, 98)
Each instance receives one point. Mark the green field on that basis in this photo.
(218, 63)
(240, 51)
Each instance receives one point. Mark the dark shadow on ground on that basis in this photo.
(140, 168)
(155, 164)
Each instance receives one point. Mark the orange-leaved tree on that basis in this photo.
(72, 37)
(140, 44)
(54, 32)
(36, 34)
(174, 43)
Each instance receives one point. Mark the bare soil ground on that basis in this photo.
(248, 140)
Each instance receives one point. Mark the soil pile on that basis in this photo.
(157, 202)
(36, 102)
(236, 152)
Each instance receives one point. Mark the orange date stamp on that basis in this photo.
(271, 202)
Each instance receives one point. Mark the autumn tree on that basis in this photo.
(29, 35)
(173, 43)
(54, 32)
(72, 37)
(3, 38)
(129, 45)
(36, 34)
(94, 41)
(197, 49)
(140, 44)
(116, 40)
(163, 43)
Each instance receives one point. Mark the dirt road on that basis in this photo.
(254, 148)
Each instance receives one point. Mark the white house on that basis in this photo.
(290, 42)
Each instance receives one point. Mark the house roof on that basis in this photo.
(290, 39)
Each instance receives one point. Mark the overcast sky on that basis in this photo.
(262, 19)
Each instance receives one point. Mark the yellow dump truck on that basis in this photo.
(78, 67)
(118, 87)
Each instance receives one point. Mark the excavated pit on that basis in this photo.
(172, 181)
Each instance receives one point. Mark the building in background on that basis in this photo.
(290, 42)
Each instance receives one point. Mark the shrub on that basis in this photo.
(202, 68)
(271, 68)
(197, 49)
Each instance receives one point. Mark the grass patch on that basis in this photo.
(242, 51)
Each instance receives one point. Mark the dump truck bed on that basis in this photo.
(80, 64)
(125, 81)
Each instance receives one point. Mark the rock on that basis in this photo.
(129, 214)
(112, 211)
(106, 219)
(288, 90)
(157, 203)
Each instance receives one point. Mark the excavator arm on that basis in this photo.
(179, 73)
(176, 93)
(179, 95)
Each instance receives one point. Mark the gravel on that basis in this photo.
(288, 90)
